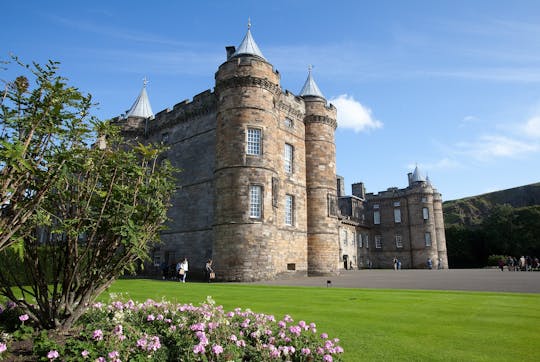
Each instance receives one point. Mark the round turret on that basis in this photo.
(322, 218)
(246, 161)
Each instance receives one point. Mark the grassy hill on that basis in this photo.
(472, 211)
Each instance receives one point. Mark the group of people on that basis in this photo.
(524, 263)
(181, 270)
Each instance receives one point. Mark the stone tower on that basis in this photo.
(320, 122)
(248, 160)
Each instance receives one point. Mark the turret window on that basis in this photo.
(255, 201)
(289, 158)
(289, 210)
(253, 146)
(425, 213)
(427, 238)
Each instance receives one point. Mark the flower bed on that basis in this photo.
(162, 331)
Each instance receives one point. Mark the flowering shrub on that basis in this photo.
(162, 331)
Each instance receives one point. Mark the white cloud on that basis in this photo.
(532, 127)
(353, 115)
(493, 146)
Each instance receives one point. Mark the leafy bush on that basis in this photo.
(162, 331)
(493, 260)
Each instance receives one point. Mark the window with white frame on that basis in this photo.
(397, 215)
(255, 201)
(399, 243)
(376, 217)
(253, 146)
(427, 238)
(344, 236)
(288, 158)
(289, 210)
(425, 213)
(157, 260)
(378, 241)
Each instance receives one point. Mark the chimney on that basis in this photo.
(340, 183)
(230, 51)
(409, 176)
(359, 190)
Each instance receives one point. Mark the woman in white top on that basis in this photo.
(184, 267)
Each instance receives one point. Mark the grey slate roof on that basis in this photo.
(417, 176)
(141, 107)
(310, 87)
(248, 45)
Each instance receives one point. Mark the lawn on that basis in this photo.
(381, 325)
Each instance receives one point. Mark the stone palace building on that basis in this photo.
(259, 192)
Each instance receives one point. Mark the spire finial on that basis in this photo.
(145, 81)
(249, 23)
(310, 68)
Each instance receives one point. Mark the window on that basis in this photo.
(376, 206)
(288, 123)
(255, 201)
(425, 213)
(397, 204)
(157, 260)
(359, 239)
(397, 215)
(165, 137)
(399, 243)
(289, 210)
(427, 238)
(288, 158)
(253, 141)
(366, 240)
(344, 236)
(376, 217)
(424, 199)
(378, 241)
(353, 238)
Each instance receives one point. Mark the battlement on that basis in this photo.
(201, 104)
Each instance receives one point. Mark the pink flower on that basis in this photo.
(150, 318)
(217, 349)
(339, 349)
(327, 358)
(98, 335)
(233, 338)
(241, 343)
(114, 354)
(23, 317)
(85, 353)
(53, 354)
(3, 347)
(101, 359)
(324, 336)
(198, 348)
(306, 351)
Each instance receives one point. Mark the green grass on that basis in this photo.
(381, 325)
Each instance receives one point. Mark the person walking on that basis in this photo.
(183, 270)
(208, 271)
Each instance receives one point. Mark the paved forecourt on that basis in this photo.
(489, 280)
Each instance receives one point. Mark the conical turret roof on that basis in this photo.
(248, 45)
(310, 88)
(417, 176)
(141, 108)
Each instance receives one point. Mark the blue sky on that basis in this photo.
(453, 86)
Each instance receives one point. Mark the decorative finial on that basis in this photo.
(145, 81)
(249, 23)
(310, 68)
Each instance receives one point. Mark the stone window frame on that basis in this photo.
(427, 239)
(376, 217)
(344, 236)
(289, 123)
(254, 144)
(255, 201)
(289, 210)
(378, 241)
(397, 215)
(425, 213)
(399, 241)
(288, 158)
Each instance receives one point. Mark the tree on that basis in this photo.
(100, 212)
(35, 125)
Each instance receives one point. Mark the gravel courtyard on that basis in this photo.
(489, 280)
